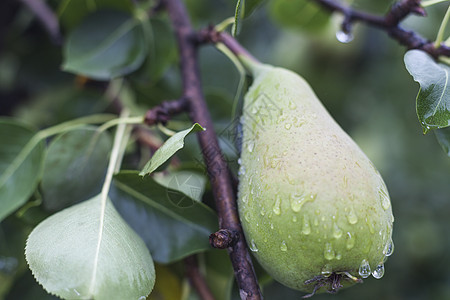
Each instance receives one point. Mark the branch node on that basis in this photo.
(223, 238)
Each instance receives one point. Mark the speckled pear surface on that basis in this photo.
(312, 205)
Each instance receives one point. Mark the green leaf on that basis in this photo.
(304, 15)
(75, 166)
(238, 15)
(443, 137)
(433, 99)
(77, 254)
(169, 148)
(172, 224)
(183, 181)
(71, 12)
(21, 161)
(107, 44)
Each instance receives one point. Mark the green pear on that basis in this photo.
(315, 211)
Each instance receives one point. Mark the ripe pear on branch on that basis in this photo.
(315, 211)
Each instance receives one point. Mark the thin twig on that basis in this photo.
(163, 112)
(215, 163)
(47, 18)
(197, 279)
(389, 23)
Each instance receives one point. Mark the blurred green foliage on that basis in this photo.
(363, 84)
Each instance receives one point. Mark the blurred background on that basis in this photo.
(363, 83)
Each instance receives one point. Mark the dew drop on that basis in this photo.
(317, 211)
(277, 205)
(306, 226)
(379, 271)
(389, 249)
(292, 105)
(271, 226)
(247, 216)
(245, 198)
(344, 37)
(297, 200)
(337, 232)
(316, 222)
(328, 251)
(364, 269)
(263, 211)
(283, 246)
(241, 170)
(327, 270)
(253, 247)
(288, 126)
(294, 219)
(239, 161)
(338, 256)
(351, 216)
(385, 202)
(250, 146)
(370, 225)
(142, 298)
(350, 241)
(345, 181)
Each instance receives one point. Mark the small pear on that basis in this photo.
(315, 211)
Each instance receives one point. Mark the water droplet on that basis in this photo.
(316, 223)
(370, 225)
(327, 270)
(271, 225)
(338, 256)
(263, 211)
(292, 105)
(239, 161)
(294, 219)
(142, 298)
(245, 198)
(337, 232)
(364, 269)
(317, 211)
(389, 249)
(306, 226)
(385, 202)
(250, 146)
(379, 271)
(283, 246)
(253, 247)
(350, 241)
(277, 205)
(344, 37)
(78, 294)
(285, 153)
(241, 170)
(297, 200)
(288, 126)
(351, 216)
(328, 251)
(247, 216)
(345, 181)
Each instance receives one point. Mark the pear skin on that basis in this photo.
(315, 211)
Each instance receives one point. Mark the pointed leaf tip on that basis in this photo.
(433, 99)
(168, 149)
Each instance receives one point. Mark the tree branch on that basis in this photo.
(215, 163)
(389, 23)
(196, 278)
(47, 18)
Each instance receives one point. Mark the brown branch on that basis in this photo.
(215, 163)
(197, 279)
(163, 112)
(47, 18)
(390, 23)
